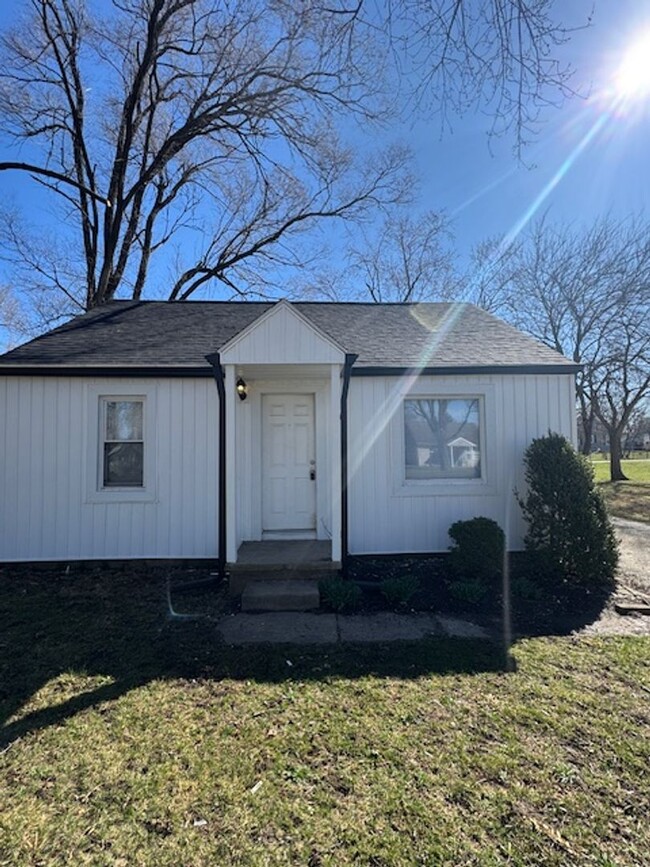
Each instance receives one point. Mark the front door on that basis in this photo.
(288, 463)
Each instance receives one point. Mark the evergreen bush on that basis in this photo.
(476, 561)
(569, 532)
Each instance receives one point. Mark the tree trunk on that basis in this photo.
(615, 470)
(586, 426)
(586, 433)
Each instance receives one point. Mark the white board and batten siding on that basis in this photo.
(389, 516)
(281, 336)
(50, 505)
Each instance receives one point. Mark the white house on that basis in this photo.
(180, 430)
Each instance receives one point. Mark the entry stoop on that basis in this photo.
(279, 564)
(280, 595)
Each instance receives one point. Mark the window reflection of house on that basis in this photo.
(441, 436)
(463, 452)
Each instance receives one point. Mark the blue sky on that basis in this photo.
(588, 160)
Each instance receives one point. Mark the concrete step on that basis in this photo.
(280, 595)
(238, 581)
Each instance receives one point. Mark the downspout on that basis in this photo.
(219, 377)
(347, 370)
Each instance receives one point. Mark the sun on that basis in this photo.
(633, 75)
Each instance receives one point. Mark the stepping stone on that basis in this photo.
(456, 628)
(280, 595)
(278, 627)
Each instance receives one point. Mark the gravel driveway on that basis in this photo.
(634, 575)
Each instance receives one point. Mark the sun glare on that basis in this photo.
(633, 77)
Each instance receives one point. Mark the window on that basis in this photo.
(122, 442)
(442, 438)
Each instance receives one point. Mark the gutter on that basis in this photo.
(219, 376)
(192, 371)
(347, 372)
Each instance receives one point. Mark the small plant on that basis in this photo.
(525, 589)
(569, 532)
(399, 591)
(340, 595)
(470, 591)
(475, 561)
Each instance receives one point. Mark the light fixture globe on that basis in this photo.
(241, 388)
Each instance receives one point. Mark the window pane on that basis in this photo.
(442, 438)
(123, 465)
(124, 420)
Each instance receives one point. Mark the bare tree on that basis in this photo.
(501, 53)
(211, 128)
(210, 124)
(622, 383)
(492, 272)
(637, 430)
(585, 293)
(410, 259)
(13, 324)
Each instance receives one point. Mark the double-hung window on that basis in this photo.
(442, 438)
(122, 442)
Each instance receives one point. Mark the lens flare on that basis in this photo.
(633, 76)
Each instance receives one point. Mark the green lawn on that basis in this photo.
(635, 470)
(129, 740)
(629, 499)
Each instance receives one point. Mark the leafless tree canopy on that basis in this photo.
(409, 259)
(210, 128)
(502, 53)
(585, 293)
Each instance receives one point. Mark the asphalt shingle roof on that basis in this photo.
(160, 334)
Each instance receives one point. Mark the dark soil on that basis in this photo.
(533, 610)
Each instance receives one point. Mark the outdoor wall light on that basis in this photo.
(241, 388)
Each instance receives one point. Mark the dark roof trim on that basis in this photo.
(35, 370)
(201, 372)
(467, 369)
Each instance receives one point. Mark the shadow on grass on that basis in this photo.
(116, 625)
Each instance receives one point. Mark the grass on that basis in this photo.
(629, 499)
(132, 740)
(635, 470)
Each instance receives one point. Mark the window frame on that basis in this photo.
(481, 424)
(97, 399)
(104, 440)
(485, 484)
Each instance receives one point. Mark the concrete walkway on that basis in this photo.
(301, 628)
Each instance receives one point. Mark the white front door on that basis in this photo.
(288, 463)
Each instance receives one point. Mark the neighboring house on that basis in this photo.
(464, 453)
(180, 430)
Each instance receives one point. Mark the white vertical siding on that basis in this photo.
(48, 510)
(388, 517)
(282, 337)
(47, 507)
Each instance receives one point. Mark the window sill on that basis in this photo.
(121, 495)
(446, 488)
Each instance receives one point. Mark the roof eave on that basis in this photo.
(18, 369)
(104, 370)
(467, 369)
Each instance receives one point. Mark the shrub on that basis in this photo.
(475, 561)
(569, 532)
(400, 590)
(339, 594)
(478, 548)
